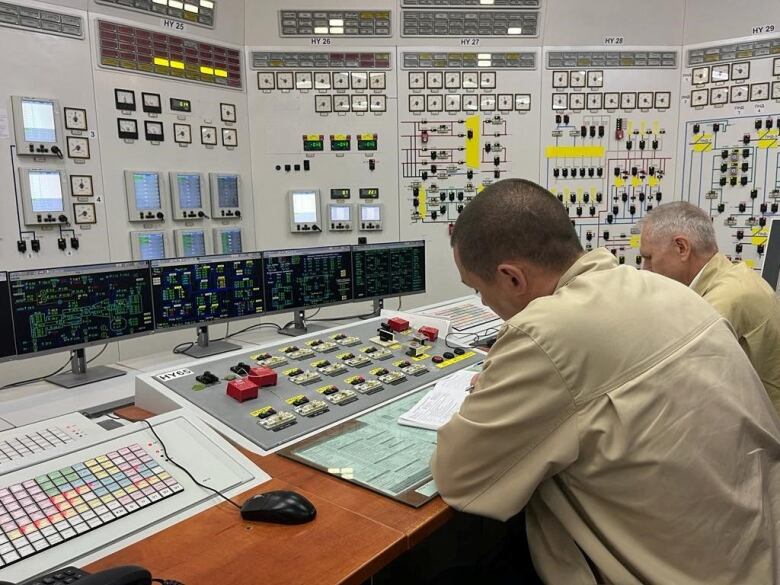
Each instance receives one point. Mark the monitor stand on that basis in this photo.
(204, 348)
(299, 326)
(80, 375)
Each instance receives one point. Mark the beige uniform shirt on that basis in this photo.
(621, 412)
(750, 305)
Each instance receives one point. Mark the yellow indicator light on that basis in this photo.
(177, 64)
(220, 72)
(206, 70)
(161, 61)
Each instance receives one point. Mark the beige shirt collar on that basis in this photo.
(598, 259)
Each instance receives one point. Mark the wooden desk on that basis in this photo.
(356, 533)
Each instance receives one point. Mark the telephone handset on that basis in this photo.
(126, 575)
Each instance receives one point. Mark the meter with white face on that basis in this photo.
(577, 79)
(523, 102)
(505, 102)
(452, 102)
(739, 93)
(470, 80)
(376, 80)
(560, 101)
(416, 80)
(154, 131)
(628, 100)
(595, 101)
(284, 80)
(560, 79)
(303, 80)
(740, 71)
(208, 135)
(127, 128)
(341, 80)
(322, 80)
(487, 79)
(229, 137)
(359, 80)
(699, 98)
(341, 103)
(151, 103)
(452, 79)
(595, 78)
(719, 73)
(416, 103)
(78, 147)
(81, 186)
(75, 119)
(124, 99)
(645, 100)
(719, 95)
(323, 104)
(84, 213)
(611, 101)
(182, 133)
(227, 112)
(577, 101)
(435, 80)
(700, 75)
(378, 103)
(434, 102)
(265, 80)
(470, 103)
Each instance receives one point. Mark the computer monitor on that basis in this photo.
(388, 270)
(7, 345)
(76, 306)
(305, 278)
(210, 289)
(771, 270)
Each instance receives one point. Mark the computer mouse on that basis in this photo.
(279, 507)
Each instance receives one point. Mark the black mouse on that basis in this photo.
(279, 507)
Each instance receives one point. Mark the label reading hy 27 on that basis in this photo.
(168, 376)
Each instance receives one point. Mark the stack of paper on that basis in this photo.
(438, 406)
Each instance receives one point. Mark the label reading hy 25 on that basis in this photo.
(168, 376)
(172, 24)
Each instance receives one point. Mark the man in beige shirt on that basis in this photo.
(678, 241)
(616, 407)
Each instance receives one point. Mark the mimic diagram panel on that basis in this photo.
(466, 120)
(609, 139)
(324, 134)
(281, 392)
(728, 142)
(174, 139)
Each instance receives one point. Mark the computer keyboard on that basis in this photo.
(49, 509)
(64, 576)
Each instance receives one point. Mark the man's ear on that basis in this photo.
(513, 277)
(682, 246)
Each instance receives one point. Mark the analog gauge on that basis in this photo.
(505, 102)
(322, 80)
(776, 66)
(359, 103)
(266, 80)
(719, 95)
(341, 80)
(522, 102)
(595, 78)
(154, 131)
(470, 103)
(560, 79)
(452, 79)
(435, 79)
(434, 102)
(359, 80)
(700, 75)
(416, 80)
(577, 101)
(627, 100)
(284, 80)
(663, 99)
(611, 101)
(595, 101)
(127, 128)
(416, 103)
(577, 78)
(182, 133)
(341, 103)
(452, 102)
(720, 73)
(470, 80)
(227, 112)
(377, 103)
(151, 103)
(487, 79)
(229, 137)
(487, 102)
(81, 186)
(124, 99)
(759, 92)
(323, 104)
(208, 135)
(776, 90)
(699, 98)
(739, 93)
(84, 213)
(75, 119)
(645, 100)
(560, 101)
(740, 70)
(376, 80)
(303, 80)
(78, 147)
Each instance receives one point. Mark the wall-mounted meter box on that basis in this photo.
(228, 240)
(44, 196)
(188, 195)
(225, 195)
(371, 216)
(305, 211)
(148, 245)
(37, 126)
(145, 195)
(339, 217)
(191, 243)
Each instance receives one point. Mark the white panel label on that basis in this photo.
(617, 40)
(168, 376)
(174, 25)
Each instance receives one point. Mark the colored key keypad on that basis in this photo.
(49, 509)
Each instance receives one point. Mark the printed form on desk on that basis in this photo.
(439, 405)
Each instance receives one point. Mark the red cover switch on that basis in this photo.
(263, 376)
(431, 333)
(398, 324)
(242, 389)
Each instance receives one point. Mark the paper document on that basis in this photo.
(439, 405)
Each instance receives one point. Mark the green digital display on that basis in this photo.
(312, 145)
(338, 144)
(180, 105)
(367, 144)
(342, 193)
(369, 193)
